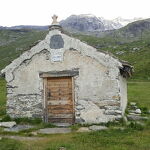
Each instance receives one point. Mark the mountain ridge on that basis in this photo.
(82, 23)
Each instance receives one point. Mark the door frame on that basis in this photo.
(64, 73)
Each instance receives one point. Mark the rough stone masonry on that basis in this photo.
(100, 91)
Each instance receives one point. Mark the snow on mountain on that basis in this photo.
(124, 22)
(89, 22)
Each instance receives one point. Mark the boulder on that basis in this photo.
(97, 128)
(8, 124)
(118, 117)
(83, 129)
(136, 117)
(113, 112)
(132, 103)
(62, 148)
(138, 111)
(92, 113)
(34, 133)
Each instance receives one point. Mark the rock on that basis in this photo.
(133, 113)
(136, 49)
(18, 128)
(92, 113)
(118, 112)
(111, 107)
(138, 111)
(62, 148)
(132, 103)
(97, 128)
(118, 117)
(108, 103)
(77, 113)
(54, 130)
(8, 124)
(79, 107)
(34, 133)
(79, 120)
(136, 117)
(62, 124)
(113, 112)
(120, 52)
(83, 129)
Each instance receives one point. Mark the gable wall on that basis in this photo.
(93, 85)
(97, 87)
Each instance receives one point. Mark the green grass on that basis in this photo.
(11, 144)
(139, 92)
(2, 97)
(15, 42)
(100, 140)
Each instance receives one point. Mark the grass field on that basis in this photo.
(112, 139)
(100, 140)
(139, 92)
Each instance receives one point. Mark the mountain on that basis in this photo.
(89, 23)
(134, 31)
(28, 27)
(85, 23)
(110, 24)
(124, 22)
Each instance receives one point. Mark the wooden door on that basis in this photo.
(59, 100)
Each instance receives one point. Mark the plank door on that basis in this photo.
(60, 100)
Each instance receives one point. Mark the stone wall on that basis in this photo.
(98, 97)
(25, 105)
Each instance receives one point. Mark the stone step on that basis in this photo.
(54, 130)
(62, 124)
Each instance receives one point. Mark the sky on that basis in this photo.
(39, 12)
